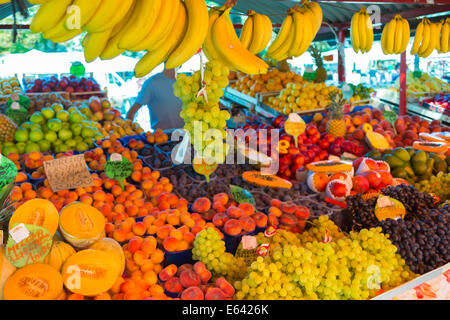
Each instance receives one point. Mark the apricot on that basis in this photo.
(234, 212)
(189, 278)
(119, 235)
(163, 232)
(260, 219)
(177, 234)
(170, 244)
(182, 245)
(201, 205)
(247, 223)
(156, 289)
(134, 245)
(157, 256)
(215, 294)
(232, 227)
(103, 296)
(139, 228)
(222, 198)
(225, 286)
(75, 296)
(173, 219)
(192, 293)
(189, 237)
(173, 285)
(247, 208)
(150, 277)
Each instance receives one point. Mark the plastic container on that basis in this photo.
(178, 258)
(232, 242)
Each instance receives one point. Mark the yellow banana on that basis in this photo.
(354, 32)
(49, 15)
(108, 14)
(384, 38)
(152, 59)
(433, 40)
(369, 32)
(247, 32)
(426, 37)
(143, 19)
(417, 38)
(438, 35)
(258, 34)
(231, 49)
(282, 35)
(66, 36)
(313, 20)
(198, 19)
(268, 30)
(282, 52)
(308, 35)
(299, 33)
(445, 36)
(208, 45)
(95, 44)
(362, 31)
(398, 40)
(120, 26)
(85, 39)
(406, 35)
(164, 23)
(391, 36)
(317, 11)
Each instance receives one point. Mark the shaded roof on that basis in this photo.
(7, 9)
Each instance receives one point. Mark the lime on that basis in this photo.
(76, 129)
(36, 135)
(65, 134)
(32, 146)
(54, 125)
(21, 135)
(21, 147)
(57, 107)
(71, 143)
(62, 115)
(51, 136)
(87, 132)
(63, 148)
(75, 117)
(57, 143)
(37, 118)
(79, 139)
(48, 113)
(44, 145)
(82, 146)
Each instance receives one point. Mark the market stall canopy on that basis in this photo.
(7, 9)
(57, 62)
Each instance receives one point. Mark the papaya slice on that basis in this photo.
(38, 212)
(263, 180)
(330, 166)
(429, 146)
(430, 137)
(34, 282)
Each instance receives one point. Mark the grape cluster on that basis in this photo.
(424, 244)
(201, 114)
(319, 229)
(361, 212)
(439, 185)
(210, 249)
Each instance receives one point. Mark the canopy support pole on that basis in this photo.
(341, 55)
(403, 108)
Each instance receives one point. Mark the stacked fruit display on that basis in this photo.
(37, 102)
(361, 31)
(429, 36)
(273, 80)
(200, 95)
(55, 129)
(396, 36)
(417, 86)
(9, 86)
(360, 92)
(302, 97)
(68, 84)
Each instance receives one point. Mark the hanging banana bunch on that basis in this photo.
(444, 41)
(395, 36)
(256, 32)
(298, 30)
(361, 31)
(430, 36)
(222, 43)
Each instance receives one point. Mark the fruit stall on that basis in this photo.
(280, 185)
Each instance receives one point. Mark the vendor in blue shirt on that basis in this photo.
(164, 107)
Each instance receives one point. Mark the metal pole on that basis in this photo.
(341, 55)
(403, 109)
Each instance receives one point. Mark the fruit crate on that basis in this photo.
(64, 94)
(81, 96)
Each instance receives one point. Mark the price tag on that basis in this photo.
(118, 168)
(327, 237)
(295, 126)
(249, 242)
(19, 233)
(263, 249)
(270, 231)
(384, 202)
(8, 171)
(241, 195)
(203, 168)
(68, 173)
(31, 249)
(15, 106)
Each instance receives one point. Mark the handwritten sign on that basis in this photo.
(33, 249)
(241, 195)
(118, 168)
(8, 171)
(295, 126)
(68, 173)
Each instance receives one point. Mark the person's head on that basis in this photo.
(170, 73)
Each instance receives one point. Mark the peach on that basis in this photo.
(192, 293)
(134, 245)
(302, 212)
(260, 219)
(215, 294)
(168, 272)
(247, 223)
(275, 203)
(247, 208)
(234, 212)
(139, 228)
(189, 278)
(220, 219)
(232, 227)
(225, 286)
(170, 244)
(201, 205)
(149, 245)
(219, 207)
(222, 198)
(288, 207)
(173, 285)
(275, 211)
(273, 220)
(184, 267)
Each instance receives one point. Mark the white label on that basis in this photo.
(19, 233)
(384, 202)
(15, 106)
(116, 157)
(249, 242)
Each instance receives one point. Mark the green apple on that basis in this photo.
(51, 136)
(9, 149)
(79, 139)
(63, 148)
(37, 118)
(25, 125)
(54, 125)
(44, 145)
(76, 129)
(21, 135)
(62, 115)
(36, 135)
(65, 134)
(57, 107)
(71, 143)
(87, 132)
(82, 146)
(35, 126)
(57, 142)
(65, 125)
(32, 146)
(72, 109)
(48, 113)
(21, 147)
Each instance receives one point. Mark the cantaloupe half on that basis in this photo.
(6, 269)
(113, 248)
(59, 253)
(81, 224)
(90, 272)
(34, 282)
(38, 212)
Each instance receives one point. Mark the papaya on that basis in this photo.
(419, 167)
(410, 150)
(440, 166)
(393, 161)
(374, 154)
(399, 173)
(431, 146)
(409, 170)
(396, 211)
(402, 154)
(271, 181)
(420, 155)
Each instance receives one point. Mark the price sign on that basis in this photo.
(29, 250)
(295, 126)
(118, 168)
(249, 242)
(263, 249)
(8, 171)
(241, 195)
(203, 168)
